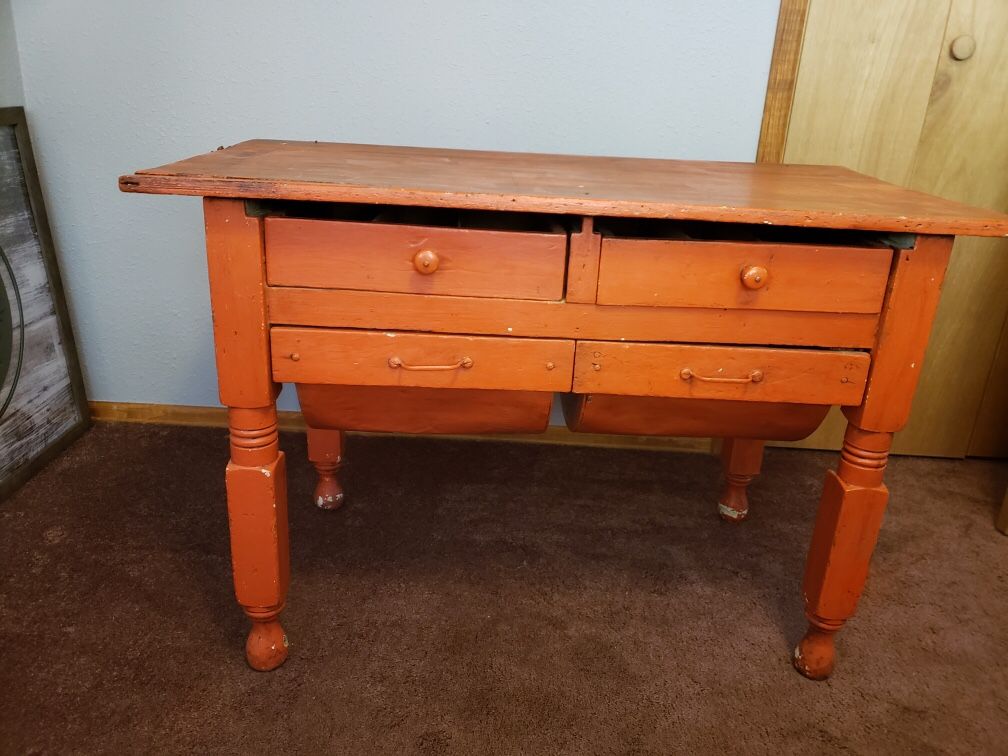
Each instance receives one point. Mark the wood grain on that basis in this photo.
(864, 83)
(380, 257)
(801, 376)
(674, 273)
(781, 82)
(348, 357)
(517, 317)
(990, 432)
(880, 93)
(962, 154)
(792, 195)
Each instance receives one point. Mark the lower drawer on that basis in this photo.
(393, 409)
(699, 371)
(388, 358)
(661, 416)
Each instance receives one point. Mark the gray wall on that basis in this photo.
(10, 69)
(123, 84)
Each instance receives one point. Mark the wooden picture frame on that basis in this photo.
(43, 407)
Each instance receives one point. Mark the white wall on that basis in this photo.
(117, 85)
(10, 69)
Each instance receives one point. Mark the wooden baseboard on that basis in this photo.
(216, 417)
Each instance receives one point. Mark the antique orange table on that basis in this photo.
(446, 291)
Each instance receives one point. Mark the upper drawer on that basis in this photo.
(744, 275)
(699, 371)
(415, 259)
(382, 358)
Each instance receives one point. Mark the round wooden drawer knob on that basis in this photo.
(426, 261)
(754, 276)
(963, 47)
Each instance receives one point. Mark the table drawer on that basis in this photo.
(382, 358)
(415, 259)
(746, 275)
(717, 372)
(412, 409)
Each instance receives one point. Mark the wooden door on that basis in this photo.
(913, 92)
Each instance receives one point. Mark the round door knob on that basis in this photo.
(754, 276)
(426, 261)
(963, 47)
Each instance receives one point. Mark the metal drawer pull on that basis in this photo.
(395, 362)
(755, 376)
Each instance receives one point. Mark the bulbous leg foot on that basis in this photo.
(266, 647)
(741, 458)
(733, 505)
(325, 450)
(815, 654)
(328, 491)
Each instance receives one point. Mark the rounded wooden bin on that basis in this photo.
(660, 416)
(395, 409)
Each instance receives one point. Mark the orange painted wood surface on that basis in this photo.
(847, 525)
(256, 484)
(417, 328)
(418, 259)
(662, 416)
(741, 459)
(789, 195)
(395, 409)
(898, 355)
(256, 474)
(676, 273)
(386, 358)
(583, 265)
(235, 261)
(746, 374)
(325, 451)
(517, 317)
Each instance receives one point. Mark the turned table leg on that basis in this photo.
(257, 512)
(847, 526)
(325, 450)
(741, 458)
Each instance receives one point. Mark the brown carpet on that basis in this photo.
(491, 598)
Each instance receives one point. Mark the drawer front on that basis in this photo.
(737, 275)
(716, 372)
(381, 358)
(415, 259)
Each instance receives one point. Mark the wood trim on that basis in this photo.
(583, 267)
(331, 308)
(781, 82)
(217, 417)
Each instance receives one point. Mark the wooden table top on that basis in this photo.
(787, 195)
